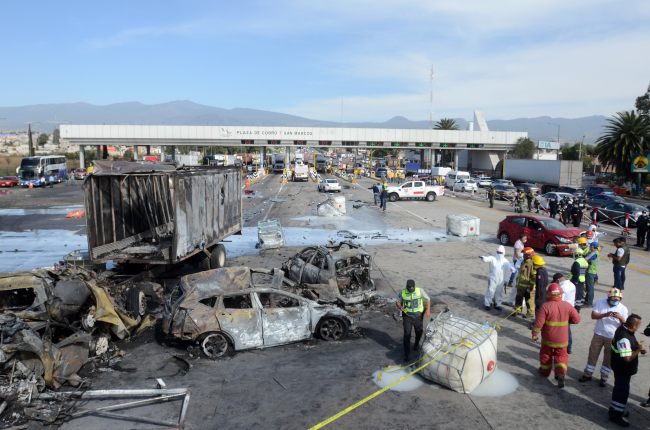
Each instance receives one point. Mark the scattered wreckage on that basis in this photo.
(54, 322)
(331, 274)
(242, 308)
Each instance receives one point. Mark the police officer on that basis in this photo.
(491, 195)
(552, 206)
(576, 214)
(641, 228)
(411, 302)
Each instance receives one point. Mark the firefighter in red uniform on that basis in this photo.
(553, 320)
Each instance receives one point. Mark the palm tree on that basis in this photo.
(446, 124)
(626, 135)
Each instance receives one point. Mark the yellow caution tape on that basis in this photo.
(372, 396)
(399, 367)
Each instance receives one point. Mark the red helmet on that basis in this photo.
(554, 290)
(530, 251)
(590, 234)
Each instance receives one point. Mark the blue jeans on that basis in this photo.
(376, 198)
(383, 203)
(618, 282)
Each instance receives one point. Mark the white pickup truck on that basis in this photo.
(415, 190)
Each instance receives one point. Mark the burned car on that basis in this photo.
(246, 308)
(332, 274)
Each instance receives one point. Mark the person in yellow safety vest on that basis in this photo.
(526, 284)
(579, 271)
(390, 176)
(385, 185)
(411, 302)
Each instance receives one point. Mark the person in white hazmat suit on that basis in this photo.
(500, 270)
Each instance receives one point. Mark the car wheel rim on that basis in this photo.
(549, 249)
(215, 345)
(504, 239)
(331, 329)
(142, 303)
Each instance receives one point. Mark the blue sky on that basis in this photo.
(510, 58)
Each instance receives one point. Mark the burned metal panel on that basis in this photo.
(25, 294)
(193, 225)
(284, 318)
(244, 326)
(213, 282)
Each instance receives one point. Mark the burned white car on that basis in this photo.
(331, 274)
(245, 308)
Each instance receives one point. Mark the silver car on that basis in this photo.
(329, 185)
(242, 308)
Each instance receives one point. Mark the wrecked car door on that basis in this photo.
(240, 317)
(284, 318)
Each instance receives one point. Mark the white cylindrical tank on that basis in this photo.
(338, 202)
(463, 225)
(464, 368)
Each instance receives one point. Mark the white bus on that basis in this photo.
(38, 170)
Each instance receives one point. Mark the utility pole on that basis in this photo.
(581, 143)
(558, 131)
(431, 99)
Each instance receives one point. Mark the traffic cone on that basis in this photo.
(31, 184)
(248, 184)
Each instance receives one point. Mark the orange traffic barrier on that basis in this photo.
(76, 214)
(248, 184)
(31, 184)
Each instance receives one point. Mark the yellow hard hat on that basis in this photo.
(582, 241)
(538, 260)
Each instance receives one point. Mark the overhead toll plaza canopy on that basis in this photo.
(180, 135)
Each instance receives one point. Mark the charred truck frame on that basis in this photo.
(156, 214)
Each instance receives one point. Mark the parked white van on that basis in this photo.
(453, 176)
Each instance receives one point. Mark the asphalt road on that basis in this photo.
(297, 386)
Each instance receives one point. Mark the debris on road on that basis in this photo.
(53, 322)
(270, 234)
(76, 214)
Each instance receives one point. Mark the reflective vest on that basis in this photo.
(593, 268)
(412, 303)
(583, 268)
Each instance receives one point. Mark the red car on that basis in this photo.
(9, 181)
(542, 232)
(80, 173)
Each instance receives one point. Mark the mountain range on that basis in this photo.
(185, 112)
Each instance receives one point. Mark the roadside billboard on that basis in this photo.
(548, 145)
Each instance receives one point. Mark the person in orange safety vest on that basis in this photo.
(553, 320)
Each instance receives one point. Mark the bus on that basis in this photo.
(38, 170)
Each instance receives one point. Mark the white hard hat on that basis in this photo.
(592, 227)
(501, 249)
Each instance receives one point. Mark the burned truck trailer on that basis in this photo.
(157, 214)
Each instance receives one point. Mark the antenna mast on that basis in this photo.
(431, 99)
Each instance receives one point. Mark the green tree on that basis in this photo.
(642, 103)
(446, 124)
(56, 135)
(128, 154)
(626, 135)
(42, 139)
(524, 149)
(587, 162)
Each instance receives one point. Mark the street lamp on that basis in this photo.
(581, 143)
